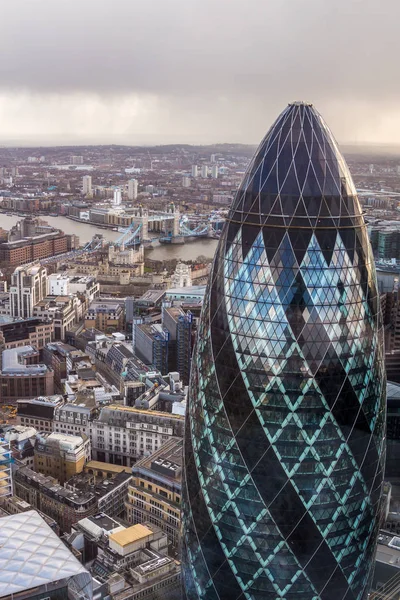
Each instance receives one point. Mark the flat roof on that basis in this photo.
(32, 555)
(154, 413)
(130, 535)
(103, 466)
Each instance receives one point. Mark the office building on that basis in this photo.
(284, 448)
(39, 412)
(15, 332)
(28, 287)
(36, 564)
(152, 345)
(5, 468)
(132, 189)
(106, 314)
(23, 376)
(61, 455)
(154, 494)
(32, 239)
(123, 434)
(87, 185)
(76, 160)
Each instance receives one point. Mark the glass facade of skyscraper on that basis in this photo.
(284, 447)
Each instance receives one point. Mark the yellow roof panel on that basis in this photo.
(131, 534)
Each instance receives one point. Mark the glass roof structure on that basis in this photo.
(32, 555)
(284, 447)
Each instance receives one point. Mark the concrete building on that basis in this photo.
(132, 189)
(106, 314)
(16, 332)
(87, 185)
(76, 160)
(131, 561)
(117, 197)
(58, 285)
(123, 434)
(64, 505)
(21, 440)
(28, 287)
(36, 563)
(214, 172)
(39, 412)
(152, 345)
(186, 182)
(22, 376)
(64, 311)
(154, 494)
(194, 171)
(60, 455)
(204, 171)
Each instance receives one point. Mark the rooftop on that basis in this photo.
(130, 535)
(32, 555)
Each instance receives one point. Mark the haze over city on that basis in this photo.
(195, 72)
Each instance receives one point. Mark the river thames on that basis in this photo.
(188, 251)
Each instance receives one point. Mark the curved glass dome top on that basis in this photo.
(298, 176)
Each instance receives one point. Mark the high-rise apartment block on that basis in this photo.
(87, 185)
(284, 448)
(132, 189)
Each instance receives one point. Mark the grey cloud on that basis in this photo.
(213, 63)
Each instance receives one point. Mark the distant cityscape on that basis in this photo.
(97, 331)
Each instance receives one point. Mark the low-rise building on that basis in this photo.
(64, 311)
(38, 412)
(132, 561)
(154, 493)
(16, 332)
(46, 494)
(106, 314)
(60, 455)
(23, 376)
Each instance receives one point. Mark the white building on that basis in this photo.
(182, 276)
(132, 189)
(87, 185)
(186, 182)
(58, 285)
(117, 199)
(213, 158)
(195, 171)
(204, 171)
(28, 287)
(214, 172)
(123, 434)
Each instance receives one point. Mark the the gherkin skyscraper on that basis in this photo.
(284, 447)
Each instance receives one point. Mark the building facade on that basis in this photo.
(154, 494)
(284, 447)
(28, 287)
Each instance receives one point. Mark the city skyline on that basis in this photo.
(182, 72)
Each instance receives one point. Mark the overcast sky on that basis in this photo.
(201, 71)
